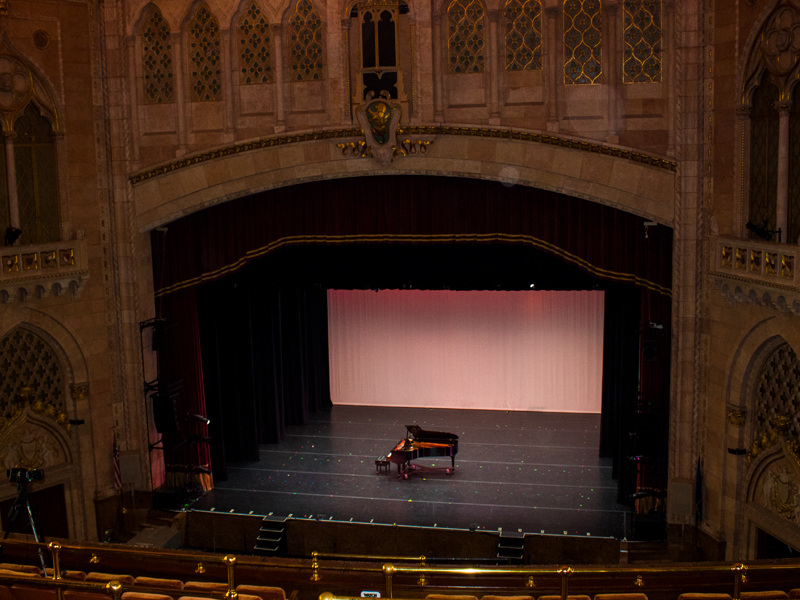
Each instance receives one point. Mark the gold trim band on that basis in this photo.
(509, 134)
(526, 240)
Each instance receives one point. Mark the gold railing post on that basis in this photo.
(230, 562)
(54, 547)
(565, 572)
(315, 576)
(423, 580)
(739, 571)
(388, 570)
(114, 589)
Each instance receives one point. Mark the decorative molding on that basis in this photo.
(79, 391)
(424, 130)
(758, 294)
(736, 417)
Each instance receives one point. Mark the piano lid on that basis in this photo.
(424, 435)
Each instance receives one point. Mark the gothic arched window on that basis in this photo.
(205, 72)
(582, 41)
(642, 41)
(27, 360)
(306, 51)
(37, 180)
(465, 37)
(255, 56)
(764, 154)
(157, 75)
(523, 39)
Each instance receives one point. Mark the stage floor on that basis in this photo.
(533, 471)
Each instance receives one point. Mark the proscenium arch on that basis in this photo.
(637, 188)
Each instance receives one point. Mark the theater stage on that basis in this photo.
(532, 471)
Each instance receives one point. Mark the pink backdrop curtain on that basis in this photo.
(517, 350)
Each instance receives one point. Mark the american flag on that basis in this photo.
(117, 472)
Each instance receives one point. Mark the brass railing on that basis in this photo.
(732, 576)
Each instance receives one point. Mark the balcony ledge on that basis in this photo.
(41, 270)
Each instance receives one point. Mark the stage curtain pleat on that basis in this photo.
(265, 361)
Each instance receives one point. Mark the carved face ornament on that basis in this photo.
(780, 42)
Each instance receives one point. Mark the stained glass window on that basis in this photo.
(764, 154)
(523, 35)
(793, 224)
(204, 57)
(255, 58)
(642, 39)
(306, 52)
(582, 41)
(37, 182)
(465, 36)
(157, 60)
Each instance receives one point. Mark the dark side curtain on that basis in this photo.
(265, 362)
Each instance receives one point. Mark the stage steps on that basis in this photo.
(511, 547)
(271, 539)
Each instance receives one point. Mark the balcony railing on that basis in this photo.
(766, 262)
(41, 270)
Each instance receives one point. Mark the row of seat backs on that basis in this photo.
(23, 592)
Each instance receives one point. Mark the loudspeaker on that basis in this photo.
(650, 351)
(165, 415)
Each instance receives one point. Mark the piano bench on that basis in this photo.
(382, 463)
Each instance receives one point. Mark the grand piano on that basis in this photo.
(420, 443)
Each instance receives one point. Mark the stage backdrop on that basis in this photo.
(500, 350)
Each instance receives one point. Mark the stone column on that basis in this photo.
(668, 71)
(741, 181)
(494, 66)
(348, 75)
(612, 79)
(134, 95)
(181, 93)
(555, 81)
(11, 174)
(439, 68)
(277, 47)
(782, 206)
(227, 46)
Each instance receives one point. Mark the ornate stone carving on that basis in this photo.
(79, 391)
(736, 417)
(32, 441)
(780, 42)
(18, 86)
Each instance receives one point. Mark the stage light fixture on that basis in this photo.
(12, 235)
(202, 419)
(533, 286)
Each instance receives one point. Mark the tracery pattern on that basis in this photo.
(582, 41)
(764, 154)
(642, 39)
(465, 41)
(255, 58)
(776, 392)
(157, 60)
(306, 52)
(205, 77)
(27, 360)
(523, 35)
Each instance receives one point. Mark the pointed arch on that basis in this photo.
(253, 44)
(158, 76)
(23, 83)
(306, 42)
(523, 35)
(204, 52)
(466, 41)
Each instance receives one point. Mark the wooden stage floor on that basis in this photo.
(530, 471)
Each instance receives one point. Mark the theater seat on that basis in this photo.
(693, 596)
(794, 594)
(631, 596)
(144, 596)
(448, 597)
(17, 567)
(106, 577)
(30, 592)
(205, 586)
(5, 593)
(570, 597)
(507, 598)
(155, 582)
(73, 575)
(770, 595)
(261, 591)
(240, 597)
